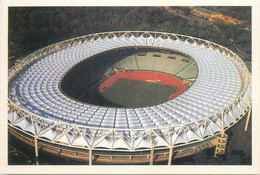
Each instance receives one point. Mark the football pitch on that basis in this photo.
(133, 93)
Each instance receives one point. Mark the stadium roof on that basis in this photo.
(217, 99)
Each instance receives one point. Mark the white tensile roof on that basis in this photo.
(208, 107)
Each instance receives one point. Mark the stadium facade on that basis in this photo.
(41, 115)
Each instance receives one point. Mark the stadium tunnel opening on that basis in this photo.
(130, 77)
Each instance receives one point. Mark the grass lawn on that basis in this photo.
(132, 93)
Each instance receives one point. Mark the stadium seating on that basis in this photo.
(217, 85)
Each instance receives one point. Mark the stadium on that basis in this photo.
(128, 97)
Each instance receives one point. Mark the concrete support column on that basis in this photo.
(152, 155)
(248, 117)
(90, 156)
(170, 155)
(36, 150)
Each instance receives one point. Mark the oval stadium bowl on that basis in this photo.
(215, 95)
